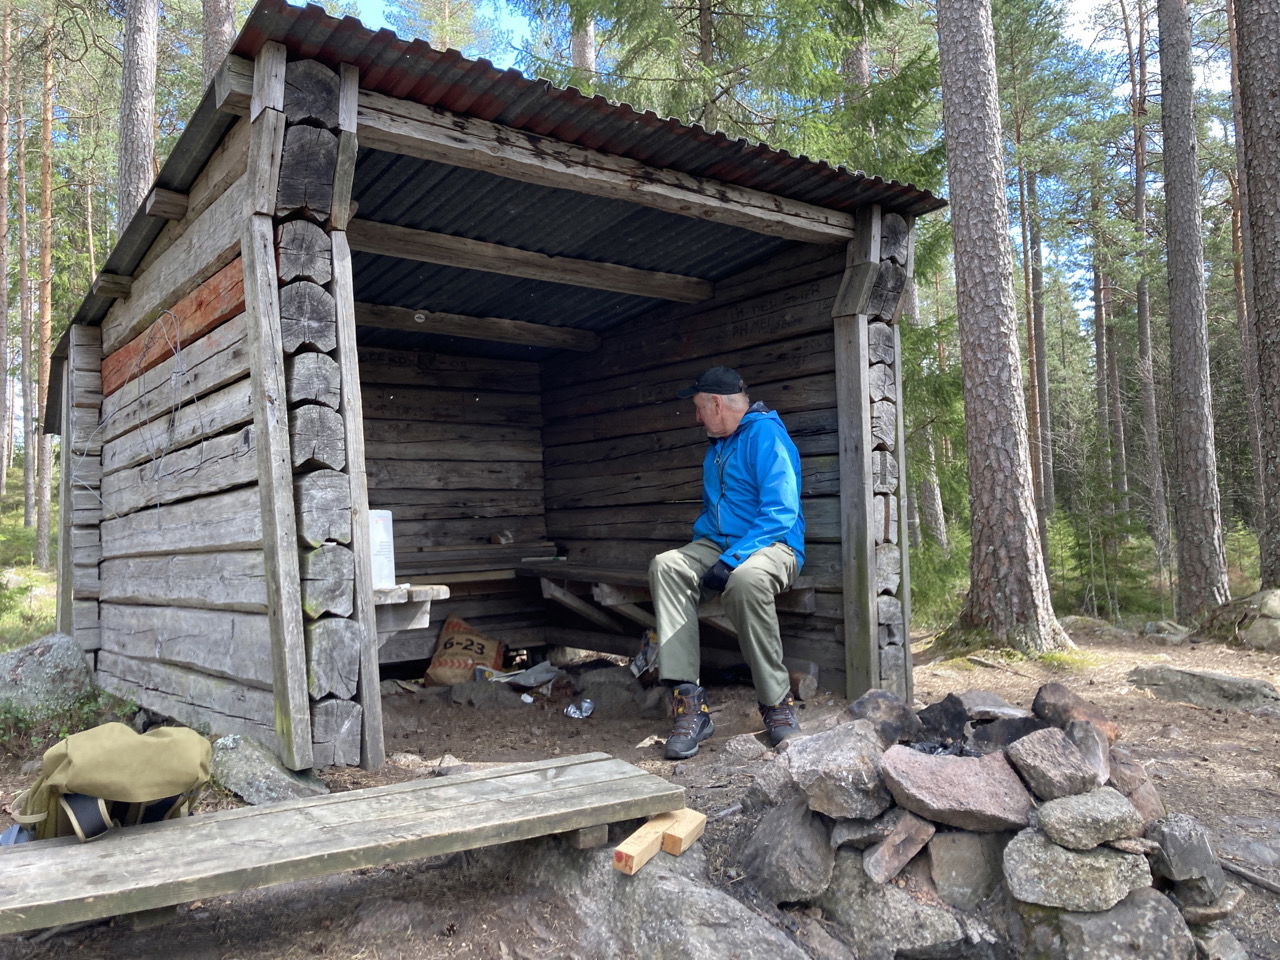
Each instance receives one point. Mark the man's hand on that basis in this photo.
(715, 578)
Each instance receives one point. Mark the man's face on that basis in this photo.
(714, 414)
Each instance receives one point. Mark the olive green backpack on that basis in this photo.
(110, 776)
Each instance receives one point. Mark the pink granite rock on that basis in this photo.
(972, 793)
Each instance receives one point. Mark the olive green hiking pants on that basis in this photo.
(748, 600)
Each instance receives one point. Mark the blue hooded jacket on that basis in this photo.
(751, 489)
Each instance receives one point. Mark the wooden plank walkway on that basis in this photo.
(60, 881)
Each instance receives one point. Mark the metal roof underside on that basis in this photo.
(416, 193)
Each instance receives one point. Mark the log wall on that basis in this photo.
(623, 456)
(453, 448)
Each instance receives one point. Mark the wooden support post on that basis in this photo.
(275, 487)
(862, 661)
(553, 591)
(65, 597)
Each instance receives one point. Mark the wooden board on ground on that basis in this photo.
(155, 865)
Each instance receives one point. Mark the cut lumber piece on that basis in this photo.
(495, 329)
(112, 285)
(310, 93)
(304, 252)
(335, 733)
(390, 240)
(233, 86)
(209, 855)
(306, 172)
(672, 832)
(333, 660)
(209, 305)
(683, 831)
(328, 580)
(553, 591)
(268, 79)
(317, 437)
(323, 502)
(400, 126)
(308, 317)
(588, 838)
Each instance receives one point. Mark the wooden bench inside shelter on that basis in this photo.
(53, 882)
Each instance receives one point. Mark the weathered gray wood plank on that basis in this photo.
(372, 746)
(306, 172)
(306, 317)
(304, 252)
(231, 580)
(224, 643)
(199, 418)
(215, 464)
(215, 360)
(328, 580)
(275, 485)
(310, 93)
(223, 521)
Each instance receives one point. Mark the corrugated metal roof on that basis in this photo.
(417, 193)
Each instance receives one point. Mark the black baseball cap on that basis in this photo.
(721, 380)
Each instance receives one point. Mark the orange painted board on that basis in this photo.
(214, 302)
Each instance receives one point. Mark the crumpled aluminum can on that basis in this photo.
(580, 710)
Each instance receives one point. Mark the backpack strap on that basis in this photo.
(87, 815)
(26, 819)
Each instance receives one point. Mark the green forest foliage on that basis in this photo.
(785, 71)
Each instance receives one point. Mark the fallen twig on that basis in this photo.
(982, 662)
(1256, 879)
(726, 812)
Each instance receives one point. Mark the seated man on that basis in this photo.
(748, 543)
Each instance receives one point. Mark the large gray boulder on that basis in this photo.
(1084, 821)
(670, 910)
(893, 719)
(1142, 926)
(885, 920)
(255, 774)
(839, 771)
(966, 867)
(789, 855)
(45, 676)
(1187, 858)
(972, 793)
(1051, 764)
(1205, 688)
(1037, 870)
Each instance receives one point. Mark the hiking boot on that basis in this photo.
(693, 721)
(780, 720)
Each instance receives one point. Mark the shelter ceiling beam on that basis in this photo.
(401, 126)
(492, 329)
(389, 240)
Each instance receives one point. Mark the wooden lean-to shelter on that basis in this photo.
(377, 275)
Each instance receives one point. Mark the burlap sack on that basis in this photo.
(460, 650)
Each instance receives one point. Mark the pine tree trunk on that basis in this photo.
(1202, 565)
(1258, 27)
(1042, 364)
(136, 150)
(582, 50)
(1120, 455)
(1008, 591)
(44, 465)
(707, 57)
(219, 29)
(932, 517)
(1100, 373)
(5, 410)
(1033, 389)
(25, 319)
(1242, 251)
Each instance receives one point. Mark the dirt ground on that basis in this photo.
(1222, 768)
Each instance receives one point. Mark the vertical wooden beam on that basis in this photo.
(275, 488)
(369, 693)
(904, 489)
(268, 79)
(858, 556)
(372, 747)
(65, 569)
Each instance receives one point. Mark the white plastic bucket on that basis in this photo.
(382, 549)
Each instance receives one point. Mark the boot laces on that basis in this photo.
(780, 715)
(688, 714)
